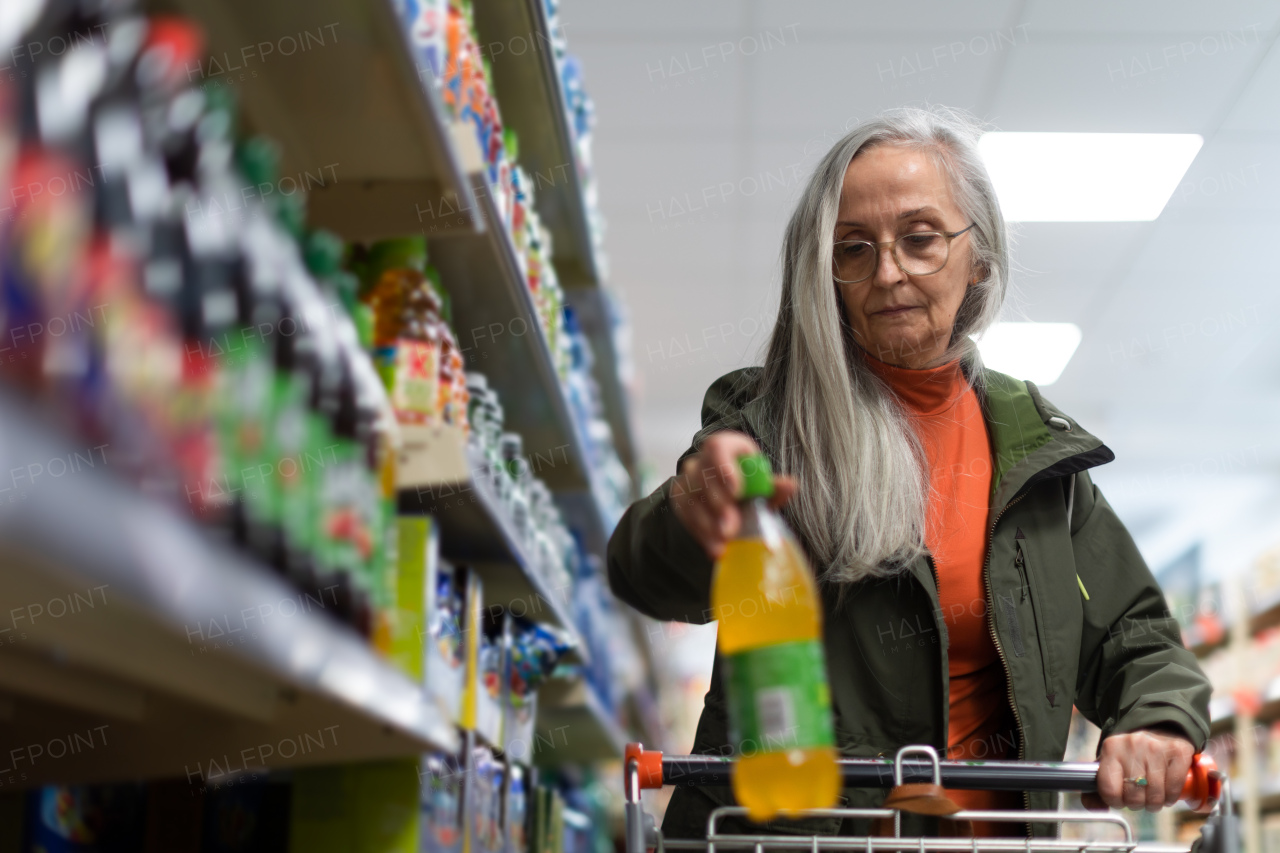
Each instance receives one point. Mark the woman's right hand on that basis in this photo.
(704, 496)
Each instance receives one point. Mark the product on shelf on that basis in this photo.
(217, 358)
(535, 651)
(441, 804)
(525, 499)
(404, 805)
(72, 818)
(369, 806)
(486, 805)
(468, 95)
(249, 816)
(414, 348)
(424, 21)
(517, 809)
(775, 678)
(488, 686)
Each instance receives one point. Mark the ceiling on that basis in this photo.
(710, 115)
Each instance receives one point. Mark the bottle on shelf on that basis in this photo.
(406, 330)
(770, 640)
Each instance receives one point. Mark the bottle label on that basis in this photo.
(411, 372)
(778, 698)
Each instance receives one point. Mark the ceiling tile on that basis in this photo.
(1232, 21)
(1231, 179)
(584, 20)
(1256, 110)
(863, 19)
(1118, 86)
(659, 88)
(818, 89)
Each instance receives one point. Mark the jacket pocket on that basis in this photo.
(1046, 662)
(1008, 604)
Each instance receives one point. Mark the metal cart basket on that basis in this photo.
(1206, 791)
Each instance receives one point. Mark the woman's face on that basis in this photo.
(902, 319)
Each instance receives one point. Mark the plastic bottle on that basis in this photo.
(406, 335)
(770, 640)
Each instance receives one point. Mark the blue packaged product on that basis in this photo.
(424, 21)
(87, 818)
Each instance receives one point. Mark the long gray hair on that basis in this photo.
(863, 482)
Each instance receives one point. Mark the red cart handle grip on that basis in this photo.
(1203, 786)
(648, 762)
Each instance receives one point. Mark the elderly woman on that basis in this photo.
(976, 584)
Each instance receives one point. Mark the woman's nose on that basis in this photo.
(887, 270)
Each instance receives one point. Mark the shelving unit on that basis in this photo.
(576, 723)
(353, 80)
(593, 309)
(185, 650)
(199, 663)
(533, 104)
(446, 481)
(499, 334)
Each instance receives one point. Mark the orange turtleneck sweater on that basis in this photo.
(948, 420)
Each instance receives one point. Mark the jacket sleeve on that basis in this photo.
(655, 564)
(1134, 671)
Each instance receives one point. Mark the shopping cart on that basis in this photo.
(1206, 791)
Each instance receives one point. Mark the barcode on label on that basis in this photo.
(776, 713)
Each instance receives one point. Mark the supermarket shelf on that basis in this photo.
(499, 335)
(590, 305)
(1222, 710)
(531, 101)
(573, 726)
(347, 105)
(644, 700)
(1267, 615)
(122, 613)
(1203, 650)
(475, 529)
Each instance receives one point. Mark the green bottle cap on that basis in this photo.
(757, 476)
(219, 119)
(259, 159)
(323, 252)
(395, 254)
(291, 212)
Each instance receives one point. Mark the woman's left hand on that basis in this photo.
(1162, 758)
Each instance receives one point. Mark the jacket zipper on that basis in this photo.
(995, 638)
(1046, 666)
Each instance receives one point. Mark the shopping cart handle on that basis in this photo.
(1201, 790)
(648, 763)
(1204, 784)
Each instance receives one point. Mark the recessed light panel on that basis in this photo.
(1086, 177)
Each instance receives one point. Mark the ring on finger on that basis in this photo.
(1140, 781)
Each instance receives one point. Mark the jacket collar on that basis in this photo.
(1031, 440)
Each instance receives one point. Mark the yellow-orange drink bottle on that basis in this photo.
(770, 641)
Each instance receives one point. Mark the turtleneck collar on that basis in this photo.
(927, 392)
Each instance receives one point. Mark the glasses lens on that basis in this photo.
(854, 260)
(922, 253)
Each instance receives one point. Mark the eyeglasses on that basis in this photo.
(917, 253)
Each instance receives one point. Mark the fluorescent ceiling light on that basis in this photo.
(1035, 351)
(1086, 177)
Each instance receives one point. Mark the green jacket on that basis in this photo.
(1116, 653)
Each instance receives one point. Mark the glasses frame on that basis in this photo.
(893, 253)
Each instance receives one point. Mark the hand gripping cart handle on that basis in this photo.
(1205, 791)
